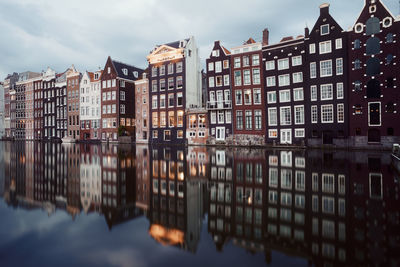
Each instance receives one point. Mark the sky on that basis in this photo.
(36, 34)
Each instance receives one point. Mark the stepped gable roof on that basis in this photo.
(119, 66)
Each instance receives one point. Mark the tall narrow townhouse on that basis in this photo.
(49, 104)
(90, 106)
(247, 88)
(61, 105)
(219, 103)
(175, 85)
(374, 77)
(73, 81)
(24, 105)
(38, 108)
(30, 106)
(326, 69)
(285, 94)
(142, 123)
(9, 85)
(118, 100)
(2, 131)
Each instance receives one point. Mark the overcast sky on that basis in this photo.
(36, 34)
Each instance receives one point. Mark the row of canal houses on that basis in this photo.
(328, 86)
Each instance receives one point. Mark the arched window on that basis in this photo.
(373, 67)
(389, 59)
(373, 26)
(357, 86)
(373, 89)
(373, 46)
(357, 44)
(389, 38)
(357, 64)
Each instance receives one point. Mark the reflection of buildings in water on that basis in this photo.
(118, 184)
(176, 200)
(142, 177)
(72, 161)
(220, 223)
(248, 192)
(90, 176)
(197, 161)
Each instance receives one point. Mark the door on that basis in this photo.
(220, 134)
(375, 114)
(286, 136)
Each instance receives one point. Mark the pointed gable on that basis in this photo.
(372, 10)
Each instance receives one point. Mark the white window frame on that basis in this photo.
(271, 81)
(330, 106)
(284, 123)
(312, 48)
(339, 62)
(302, 117)
(325, 47)
(313, 93)
(325, 72)
(340, 91)
(297, 77)
(297, 61)
(271, 133)
(270, 65)
(314, 111)
(328, 95)
(283, 81)
(340, 112)
(339, 43)
(322, 26)
(269, 117)
(302, 131)
(283, 64)
(313, 70)
(269, 101)
(283, 93)
(297, 96)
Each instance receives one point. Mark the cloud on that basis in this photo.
(40, 33)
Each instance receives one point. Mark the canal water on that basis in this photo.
(123, 205)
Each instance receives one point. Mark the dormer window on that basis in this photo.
(96, 76)
(125, 71)
(108, 70)
(325, 29)
(135, 74)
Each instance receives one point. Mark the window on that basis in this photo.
(298, 94)
(154, 102)
(213, 117)
(226, 64)
(339, 91)
(313, 70)
(162, 101)
(218, 66)
(373, 46)
(340, 113)
(312, 48)
(296, 61)
(122, 95)
(372, 26)
(284, 96)
(163, 119)
(171, 83)
(247, 96)
(228, 116)
(271, 81)
(162, 85)
(325, 47)
(162, 70)
(170, 68)
(327, 113)
(246, 77)
(286, 116)
(299, 133)
(299, 115)
(284, 80)
(326, 68)
(297, 77)
(113, 95)
(389, 38)
(154, 86)
(389, 59)
(257, 96)
(326, 92)
(314, 114)
(122, 109)
(246, 61)
(257, 119)
(238, 78)
(272, 117)
(226, 80)
(339, 43)
(179, 97)
(255, 60)
(271, 97)
(272, 134)
(239, 120)
(270, 65)
(238, 97)
(179, 82)
(153, 71)
(219, 81)
(236, 62)
(283, 64)
(179, 67)
(249, 120)
(357, 86)
(339, 66)
(211, 66)
(171, 100)
(357, 44)
(256, 76)
(325, 29)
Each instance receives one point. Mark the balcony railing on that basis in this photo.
(214, 105)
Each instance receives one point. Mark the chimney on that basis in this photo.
(324, 9)
(265, 39)
(306, 32)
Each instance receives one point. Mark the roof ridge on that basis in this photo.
(129, 65)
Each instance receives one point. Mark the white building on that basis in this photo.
(90, 104)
